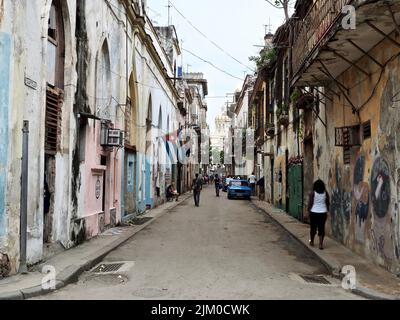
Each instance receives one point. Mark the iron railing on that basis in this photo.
(316, 25)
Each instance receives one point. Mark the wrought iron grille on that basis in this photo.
(322, 15)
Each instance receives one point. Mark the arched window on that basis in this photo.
(103, 83)
(55, 46)
(55, 77)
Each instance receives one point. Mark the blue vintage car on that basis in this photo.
(239, 189)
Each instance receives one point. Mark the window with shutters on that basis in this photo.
(347, 136)
(53, 120)
(55, 47)
(55, 78)
(128, 119)
(347, 155)
(366, 130)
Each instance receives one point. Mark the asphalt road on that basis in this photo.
(222, 250)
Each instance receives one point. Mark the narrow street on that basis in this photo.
(222, 250)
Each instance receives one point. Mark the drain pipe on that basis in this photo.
(24, 199)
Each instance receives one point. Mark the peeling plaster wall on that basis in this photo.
(25, 23)
(151, 83)
(365, 194)
(1, 11)
(103, 25)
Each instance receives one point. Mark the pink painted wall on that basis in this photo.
(94, 173)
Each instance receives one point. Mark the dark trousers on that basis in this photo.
(196, 195)
(318, 221)
(253, 189)
(217, 190)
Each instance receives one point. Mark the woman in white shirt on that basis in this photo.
(318, 208)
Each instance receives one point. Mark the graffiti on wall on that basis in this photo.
(361, 196)
(341, 207)
(380, 187)
(380, 198)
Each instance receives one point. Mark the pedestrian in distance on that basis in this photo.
(172, 193)
(318, 208)
(218, 185)
(261, 188)
(197, 187)
(252, 181)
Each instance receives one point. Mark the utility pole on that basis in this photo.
(268, 27)
(24, 198)
(169, 13)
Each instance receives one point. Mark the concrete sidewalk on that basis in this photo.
(373, 282)
(70, 264)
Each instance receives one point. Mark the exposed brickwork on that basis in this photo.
(5, 266)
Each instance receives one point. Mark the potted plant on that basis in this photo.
(282, 114)
(305, 100)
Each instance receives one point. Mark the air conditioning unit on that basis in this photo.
(111, 137)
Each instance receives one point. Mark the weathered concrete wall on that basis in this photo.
(153, 93)
(25, 23)
(5, 63)
(366, 193)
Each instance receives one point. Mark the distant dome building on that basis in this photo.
(222, 126)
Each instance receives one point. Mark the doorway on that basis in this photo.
(308, 169)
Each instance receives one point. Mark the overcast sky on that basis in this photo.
(234, 25)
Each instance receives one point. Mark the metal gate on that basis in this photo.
(295, 179)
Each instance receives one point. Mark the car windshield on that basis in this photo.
(239, 184)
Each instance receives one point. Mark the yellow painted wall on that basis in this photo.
(366, 194)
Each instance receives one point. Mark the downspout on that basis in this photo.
(123, 189)
(137, 127)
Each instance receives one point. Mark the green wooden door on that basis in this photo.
(295, 191)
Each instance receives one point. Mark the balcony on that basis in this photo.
(323, 49)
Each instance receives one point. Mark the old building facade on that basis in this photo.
(327, 102)
(105, 119)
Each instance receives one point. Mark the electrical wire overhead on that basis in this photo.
(208, 39)
(213, 65)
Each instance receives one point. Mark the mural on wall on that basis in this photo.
(397, 215)
(386, 226)
(361, 196)
(380, 198)
(380, 187)
(340, 207)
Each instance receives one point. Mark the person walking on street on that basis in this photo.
(261, 188)
(217, 181)
(253, 180)
(197, 187)
(318, 208)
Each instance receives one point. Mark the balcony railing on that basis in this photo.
(320, 19)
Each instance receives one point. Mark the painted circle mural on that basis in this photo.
(380, 187)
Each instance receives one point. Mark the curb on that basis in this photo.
(335, 270)
(71, 274)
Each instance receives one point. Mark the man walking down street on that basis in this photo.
(217, 185)
(197, 187)
(253, 181)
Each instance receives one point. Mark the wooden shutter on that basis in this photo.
(53, 120)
